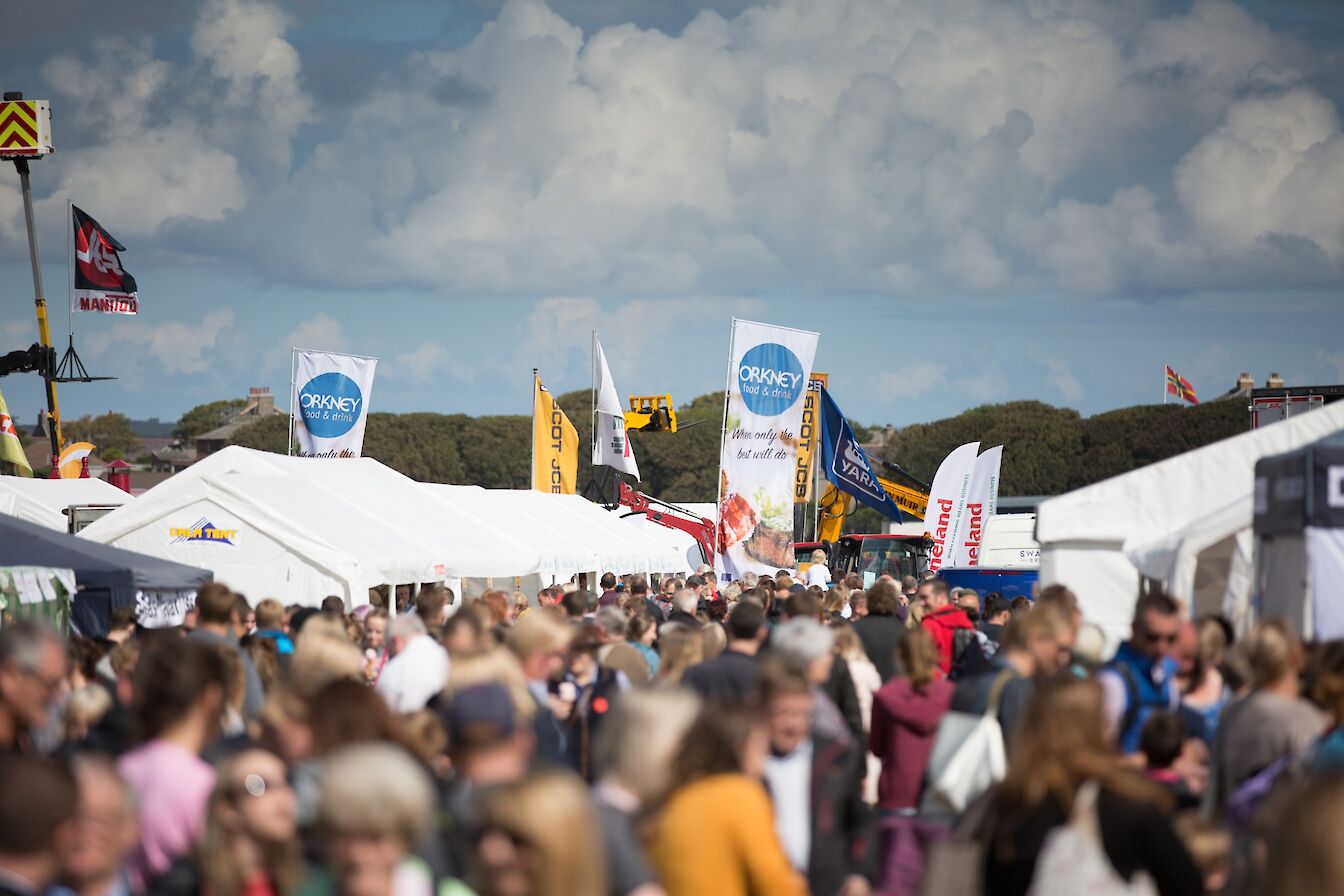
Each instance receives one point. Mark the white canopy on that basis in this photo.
(301, 528)
(1206, 563)
(1083, 533)
(43, 501)
(685, 545)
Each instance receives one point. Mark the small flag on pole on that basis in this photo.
(1180, 387)
(11, 449)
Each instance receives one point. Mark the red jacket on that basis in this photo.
(941, 625)
(904, 725)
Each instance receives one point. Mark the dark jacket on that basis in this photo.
(595, 700)
(683, 618)
(840, 818)
(840, 688)
(552, 742)
(879, 635)
(1135, 835)
(728, 678)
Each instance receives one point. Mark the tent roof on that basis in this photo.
(96, 565)
(43, 501)
(354, 517)
(1172, 493)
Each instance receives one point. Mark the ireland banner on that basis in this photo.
(767, 381)
(982, 496)
(943, 521)
(330, 403)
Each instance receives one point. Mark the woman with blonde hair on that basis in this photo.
(866, 681)
(323, 654)
(521, 605)
(1063, 770)
(679, 648)
(539, 836)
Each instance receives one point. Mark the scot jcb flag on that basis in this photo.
(555, 445)
(1180, 387)
(101, 283)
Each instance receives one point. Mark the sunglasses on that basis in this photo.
(256, 785)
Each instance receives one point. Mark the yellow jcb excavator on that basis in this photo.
(910, 494)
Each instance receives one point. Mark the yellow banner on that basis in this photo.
(808, 434)
(11, 449)
(555, 445)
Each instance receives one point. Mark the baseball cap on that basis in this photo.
(479, 715)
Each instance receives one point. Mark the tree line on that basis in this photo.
(1048, 450)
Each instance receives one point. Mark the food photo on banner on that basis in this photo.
(330, 403)
(768, 372)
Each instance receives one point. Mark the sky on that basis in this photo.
(972, 202)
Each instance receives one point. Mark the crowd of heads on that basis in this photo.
(573, 741)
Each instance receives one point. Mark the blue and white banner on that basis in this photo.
(845, 463)
(331, 403)
(768, 369)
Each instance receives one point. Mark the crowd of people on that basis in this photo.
(689, 737)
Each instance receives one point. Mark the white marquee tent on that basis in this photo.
(1083, 533)
(1207, 563)
(43, 501)
(302, 528)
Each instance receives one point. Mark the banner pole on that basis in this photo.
(592, 399)
(70, 265)
(289, 448)
(723, 443)
(533, 476)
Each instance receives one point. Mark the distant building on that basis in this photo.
(178, 455)
(260, 403)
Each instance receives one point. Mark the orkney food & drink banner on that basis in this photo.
(330, 402)
(767, 383)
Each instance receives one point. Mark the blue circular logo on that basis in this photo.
(330, 403)
(770, 379)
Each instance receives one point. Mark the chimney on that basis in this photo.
(260, 401)
(1245, 382)
(1275, 382)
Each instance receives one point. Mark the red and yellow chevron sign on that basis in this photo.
(25, 128)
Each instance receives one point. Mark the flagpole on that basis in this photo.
(533, 476)
(70, 265)
(723, 442)
(293, 400)
(592, 422)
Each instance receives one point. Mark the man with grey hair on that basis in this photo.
(805, 646)
(418, 668)
(684, 604)
(92, 862)
(32, 676)
(616, 652)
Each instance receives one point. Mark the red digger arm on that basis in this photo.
(699, 528)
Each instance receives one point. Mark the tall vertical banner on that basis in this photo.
(808, 433)
(611, 444)
(555, 445)
(943, 521)
(763, 414)
(330, 404)
(981, 498)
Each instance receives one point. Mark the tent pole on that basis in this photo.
(534, 429)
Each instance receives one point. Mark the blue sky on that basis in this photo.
(1001, 201)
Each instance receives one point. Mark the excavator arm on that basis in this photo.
(836, 505)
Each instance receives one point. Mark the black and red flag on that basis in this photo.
(100, 282)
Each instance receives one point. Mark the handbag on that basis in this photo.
(967, 757)
(1073, 859)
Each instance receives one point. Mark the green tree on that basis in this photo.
(111, 433)
(205, 417)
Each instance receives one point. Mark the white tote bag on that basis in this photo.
(1073, 859)
(967, 758)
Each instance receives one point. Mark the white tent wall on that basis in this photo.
(43, 501)
(685, 546)
(274, 561)
(1197, 562)
(1083, 533)
(562, 551)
